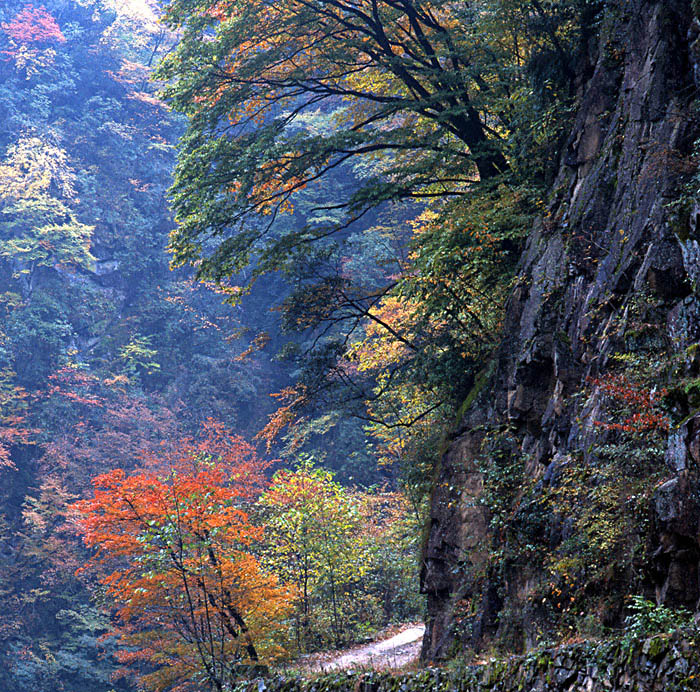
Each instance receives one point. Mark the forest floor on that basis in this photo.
(396, 651)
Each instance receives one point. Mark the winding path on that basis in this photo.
(394, 652)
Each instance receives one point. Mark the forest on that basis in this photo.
(319, 317)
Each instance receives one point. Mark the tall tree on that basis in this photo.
(343, 551)
(434, 105)
(313, 530)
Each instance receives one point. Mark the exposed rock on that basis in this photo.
(616, 241)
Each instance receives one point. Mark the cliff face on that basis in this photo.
(610, 277)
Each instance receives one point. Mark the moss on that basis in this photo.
(481, 380)
(656, 646)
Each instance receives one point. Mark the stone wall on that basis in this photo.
(665, 663)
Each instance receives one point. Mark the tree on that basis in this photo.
(424, 95)
(97, 425)
(313, 531)
(174, 547)
(30, 36)
(351, 554)
(43, 232)
(33, 25)
(37, 228)
(404, 82)
(391, 534)
(13, 425)
(439, 106)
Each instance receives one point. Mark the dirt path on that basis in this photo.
(394, 652)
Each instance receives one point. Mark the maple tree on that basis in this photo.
(173, 544)
(31, 35)
(639, 404)
(37, 573)
(98, 425)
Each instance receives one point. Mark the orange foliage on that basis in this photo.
(12, 433)
(173, 547)
(642, 402)
(292, 400)
(381, 348)
(13, 425)
(76, 386)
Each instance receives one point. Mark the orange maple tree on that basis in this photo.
(173, 547)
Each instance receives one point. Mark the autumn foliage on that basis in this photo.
(33, 25)
(640, 405)
(13, 424)
(31, 38)
(344, 551)
(173, 547)
(314, 540)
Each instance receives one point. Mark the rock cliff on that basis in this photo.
(607, 299)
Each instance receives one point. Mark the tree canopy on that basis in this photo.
(315, 126)
(415, 89)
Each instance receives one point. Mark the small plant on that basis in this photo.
(648, 618)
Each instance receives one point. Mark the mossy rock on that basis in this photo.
(656, 646)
